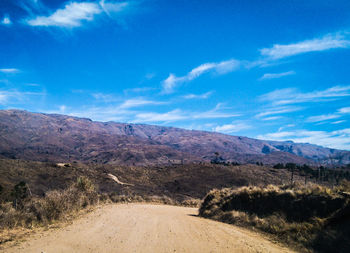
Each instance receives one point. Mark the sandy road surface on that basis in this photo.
(146, 228)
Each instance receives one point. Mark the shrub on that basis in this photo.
(54, 206)
(310, 216)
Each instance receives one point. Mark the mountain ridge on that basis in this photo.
(57, 137)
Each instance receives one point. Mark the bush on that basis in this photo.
(54, 206)
(311, 217)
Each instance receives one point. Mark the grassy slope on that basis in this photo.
(310, 217)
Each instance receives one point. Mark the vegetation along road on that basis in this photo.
(146, 228)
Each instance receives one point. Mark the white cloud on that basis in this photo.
(198, 96)
(219, 68)
(271, 118)
(111, 8)
(339, 113)
(139, 89)
(177, 115)
(335, 139)
(74, 13)
(104, 97)
(320, 118)
(232, 128)
(344, 110)
(214, 113)
(174, 115)
(278, 110)
(285, 126)
(6, 21)
(136, 102)
(10, 97)
(338, 122)
(319, 44)
(12, 70)
(293, 96)
(276, 75)
(70, 16)
(62, 108)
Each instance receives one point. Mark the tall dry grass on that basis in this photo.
(54, 206)
(309, 217)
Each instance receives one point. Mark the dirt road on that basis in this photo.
(146, 228)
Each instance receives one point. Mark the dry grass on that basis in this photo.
(63, 206)
(58, 205)
(309, 217)
(133, 198)
(54, 206)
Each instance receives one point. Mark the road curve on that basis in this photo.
(146, 228)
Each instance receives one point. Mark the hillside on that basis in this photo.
(61, 138)
(175, 181)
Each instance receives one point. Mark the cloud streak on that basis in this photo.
(219, 68)
(327, 42)
(198, 96)
(180, 115)
(335, 139)
(293, 96)
(276, 75)
(320, 118)
(10, 97)
(74, 14)
(232, 128)
(10, 71)
(136, 102)
(70, 16)
(278, 110)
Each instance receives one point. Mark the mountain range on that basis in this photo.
(61, 138)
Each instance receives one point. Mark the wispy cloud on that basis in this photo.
(10, 70)
(232, 128)
(107, 98)
(278, 110)
(271, 118)
(6, 20)
(293, 96)
(215, 113)
(323, 117)
(276, 75)
(174, 115)
(338, 122)
(178, 115)
(139, 89)
(285, 126)
(136, 102)
(110, 8)
(10, 97)
(99, 113)
(327, 42)
(219, 68)
(198, 96)
(335, 139)
(125, 103)
(344, 110)
(71, 15)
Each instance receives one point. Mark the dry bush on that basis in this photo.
(311, 217)
(54, 206)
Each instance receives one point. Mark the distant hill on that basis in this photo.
(61, 138)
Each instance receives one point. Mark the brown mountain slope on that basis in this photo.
(52, 137)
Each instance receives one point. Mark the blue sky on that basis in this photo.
(276, 70)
